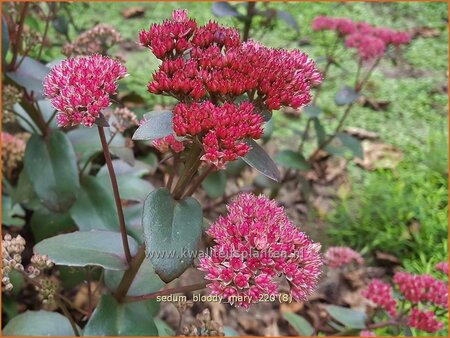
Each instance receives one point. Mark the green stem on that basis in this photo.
(153, 295)
(189, 170)
(112, 175)
(130, 274)
(198, 181)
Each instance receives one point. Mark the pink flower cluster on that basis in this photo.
(338, 256)
(424, 320)
(255, 244)
(168, 143)
(381, 294)
(80, 88)
(209, 67)
(422, 288)
(371, 42)
(367, 333)
(442, 266)
(222, 141)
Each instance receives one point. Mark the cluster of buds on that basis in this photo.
(339, 256)
(12, 249)
(382, 295)
(47, 290)
(80, 88)
(204, 326)
(371, 42)
(38, 264)
(13, 150)
(10, 96)
(168, 143)
(97, 40)
(256, 244)
(422, 291)
(443, 267)
(222, 128)
(121, 119)
(209, 68)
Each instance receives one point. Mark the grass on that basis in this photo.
(383, 203)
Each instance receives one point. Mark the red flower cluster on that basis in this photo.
(168, 142)
(338, 256)
(370, 41)
(255, 244)
(381, 294)
(207, 68)
(220, 129)
(422, 288)
(79, 88)
(424, 320)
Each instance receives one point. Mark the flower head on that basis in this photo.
(367, 333)
(422, 288)
(79, 88)
(338, 256)
(255, 244)
(368, 47)
(381, 294)
(222, 142)
(168, 143)
(442, 266)
(424, 320)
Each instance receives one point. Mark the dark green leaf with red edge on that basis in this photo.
(86, 248)
(258, 158)
(346, 96)
(171, 228)
(127, 319)
(51, 166)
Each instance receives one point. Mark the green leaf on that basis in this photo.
(61, 24)
(292, 159)
(5, 38)
(164, 330)
(312, 111)
(350, 318)
(320, 132)
(344, 143)
(257, 158)
(127, 319)
(24, 193)
(230, 332)
(130, 187)
(12, 215)
(122, 168)
(157, 125)
(95, 208)
(346, 96)
(224, 8)
(170, 229)
(51, 167)
(124, 153)
(39, 323)
(299, 323)
(82, 248)
(146, 280)
(289, 19)
(268, 130)
(19, 110)
(30, 75)
(45, 223)
(215, 184)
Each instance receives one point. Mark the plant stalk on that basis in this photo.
(112, 175)
(130, 274)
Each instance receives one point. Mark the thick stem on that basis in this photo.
(198, 181)
(248, 20)
(17, 45)
(189, 170)
(181, 289)
(112, 175)
(130, 274)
